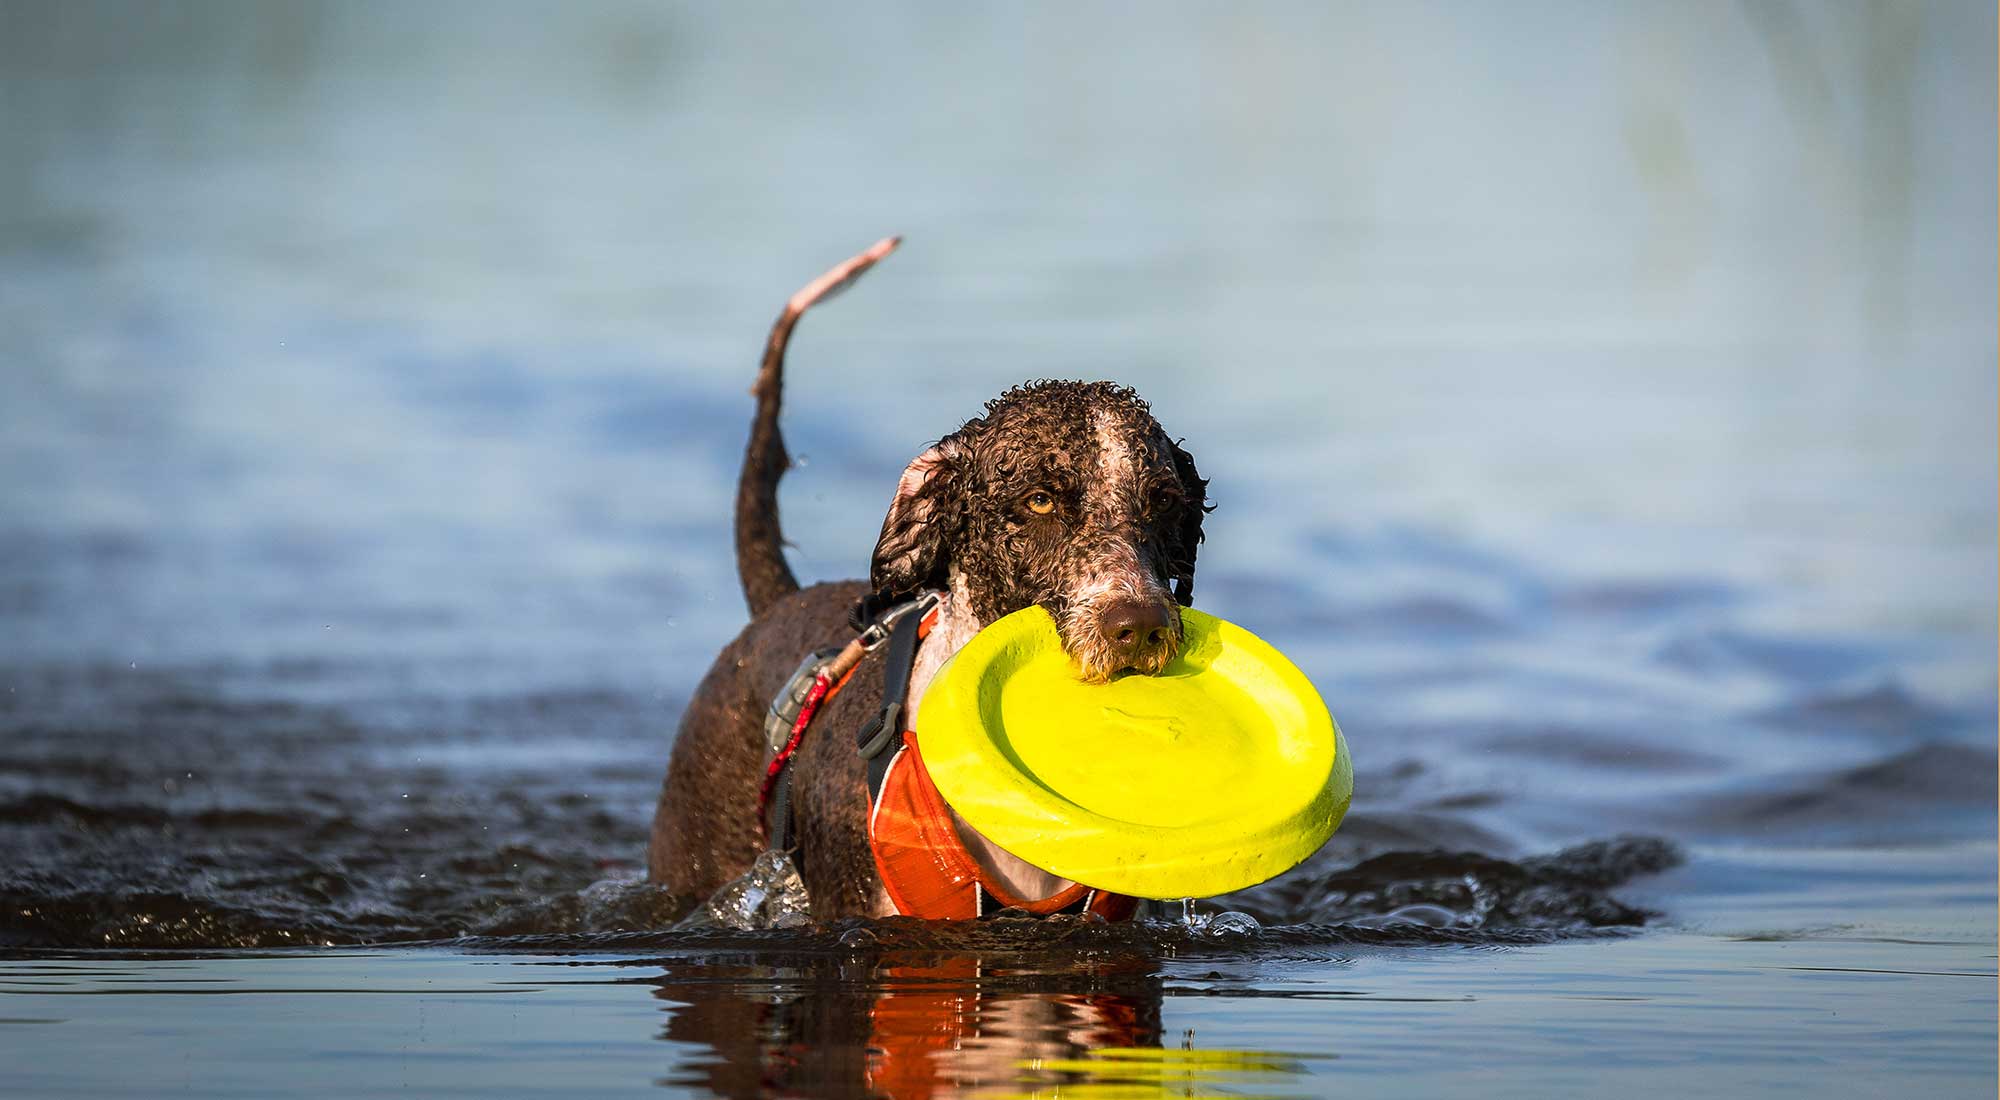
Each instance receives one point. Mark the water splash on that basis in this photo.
(1568, 891)
(769, 895)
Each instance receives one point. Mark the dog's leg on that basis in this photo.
(705, 828)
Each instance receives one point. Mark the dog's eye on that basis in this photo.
(1041, 503)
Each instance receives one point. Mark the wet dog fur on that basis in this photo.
(1064, 494)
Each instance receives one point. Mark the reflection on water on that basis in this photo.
(1825, 1013)
(1022, 1009)
(943, 1027)
(1598, 398)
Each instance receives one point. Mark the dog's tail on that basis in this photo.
(760, 554)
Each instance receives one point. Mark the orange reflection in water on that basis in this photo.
(942, 1026)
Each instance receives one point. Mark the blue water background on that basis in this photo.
(1599, 400)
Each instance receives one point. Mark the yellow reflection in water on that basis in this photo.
(1148, 1073)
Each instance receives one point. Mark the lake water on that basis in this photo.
(1599, 400)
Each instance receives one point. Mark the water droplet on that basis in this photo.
(1233, 923)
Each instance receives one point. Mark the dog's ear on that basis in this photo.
(1189, 536)
(915, 547)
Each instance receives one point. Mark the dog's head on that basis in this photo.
(1065, 494)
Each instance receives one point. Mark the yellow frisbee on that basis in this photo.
(1221, 772)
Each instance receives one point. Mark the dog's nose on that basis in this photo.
(1138, 632)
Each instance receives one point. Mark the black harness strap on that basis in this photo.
(881, 736)
(778, 827)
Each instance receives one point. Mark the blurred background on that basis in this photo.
(1573, 379)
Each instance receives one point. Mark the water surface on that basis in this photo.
(1598, 401)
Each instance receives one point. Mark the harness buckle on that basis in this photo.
(791, 699)
(877, 632)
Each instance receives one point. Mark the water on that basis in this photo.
(1599, 401)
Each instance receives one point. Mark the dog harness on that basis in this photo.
(924, 864)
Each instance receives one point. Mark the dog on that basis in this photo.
(1065, 494)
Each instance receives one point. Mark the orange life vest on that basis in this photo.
(926, 868)
(924, 864)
